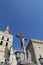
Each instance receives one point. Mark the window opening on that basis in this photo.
(7, 39)
(2, 37)
(1, 42)
(6, 44)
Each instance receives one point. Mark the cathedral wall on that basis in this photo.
(32, 55)
(38, 50)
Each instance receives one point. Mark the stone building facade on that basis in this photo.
(34, 51)
(6, 49)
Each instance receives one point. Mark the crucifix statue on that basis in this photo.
(22, 38)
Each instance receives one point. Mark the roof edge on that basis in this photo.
(33, 40)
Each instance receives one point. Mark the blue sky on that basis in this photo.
(22, 16)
